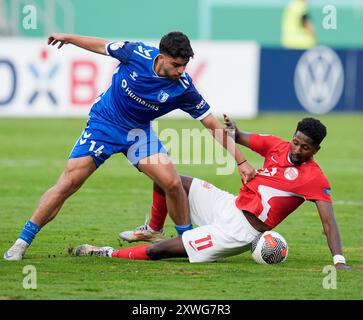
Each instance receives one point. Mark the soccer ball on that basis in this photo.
(269, 247)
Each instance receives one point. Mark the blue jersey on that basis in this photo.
(138, 95)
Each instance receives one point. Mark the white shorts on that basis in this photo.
(223, 229)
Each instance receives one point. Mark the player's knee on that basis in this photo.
(69, 182)
(174, 185)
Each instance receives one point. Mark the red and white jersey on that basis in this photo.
(280, 187)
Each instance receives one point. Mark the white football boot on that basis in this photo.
(89, 250)
(17, 251)
(143, 233)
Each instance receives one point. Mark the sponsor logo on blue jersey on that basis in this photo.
(201, 104)
(133, 96)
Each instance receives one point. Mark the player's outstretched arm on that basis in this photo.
(331, 230)
(96, 45)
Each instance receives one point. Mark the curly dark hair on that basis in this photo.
(312, 128)
(177, 45)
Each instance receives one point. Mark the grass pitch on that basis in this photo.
(117, 197)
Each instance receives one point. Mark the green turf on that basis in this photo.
(117, 197)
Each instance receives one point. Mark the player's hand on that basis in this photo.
(246, 171)
(60, 38)
(342, 266)
(231, 127)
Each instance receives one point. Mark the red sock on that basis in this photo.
(159, 211)
(133, 253)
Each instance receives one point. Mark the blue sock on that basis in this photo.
(29, 231)
(182, 229)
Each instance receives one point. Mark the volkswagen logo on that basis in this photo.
(319, 80)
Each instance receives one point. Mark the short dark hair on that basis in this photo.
(177, 45)
(312, 128)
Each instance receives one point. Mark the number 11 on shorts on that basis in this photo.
(202, 243)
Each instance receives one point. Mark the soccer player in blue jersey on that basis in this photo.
(148, 83)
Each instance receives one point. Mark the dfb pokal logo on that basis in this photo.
(319, 80)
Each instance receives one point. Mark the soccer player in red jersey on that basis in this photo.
(228, 223)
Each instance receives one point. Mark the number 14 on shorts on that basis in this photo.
(84, 139)
(98, 151)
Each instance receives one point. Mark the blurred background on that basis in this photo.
(251, 56)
